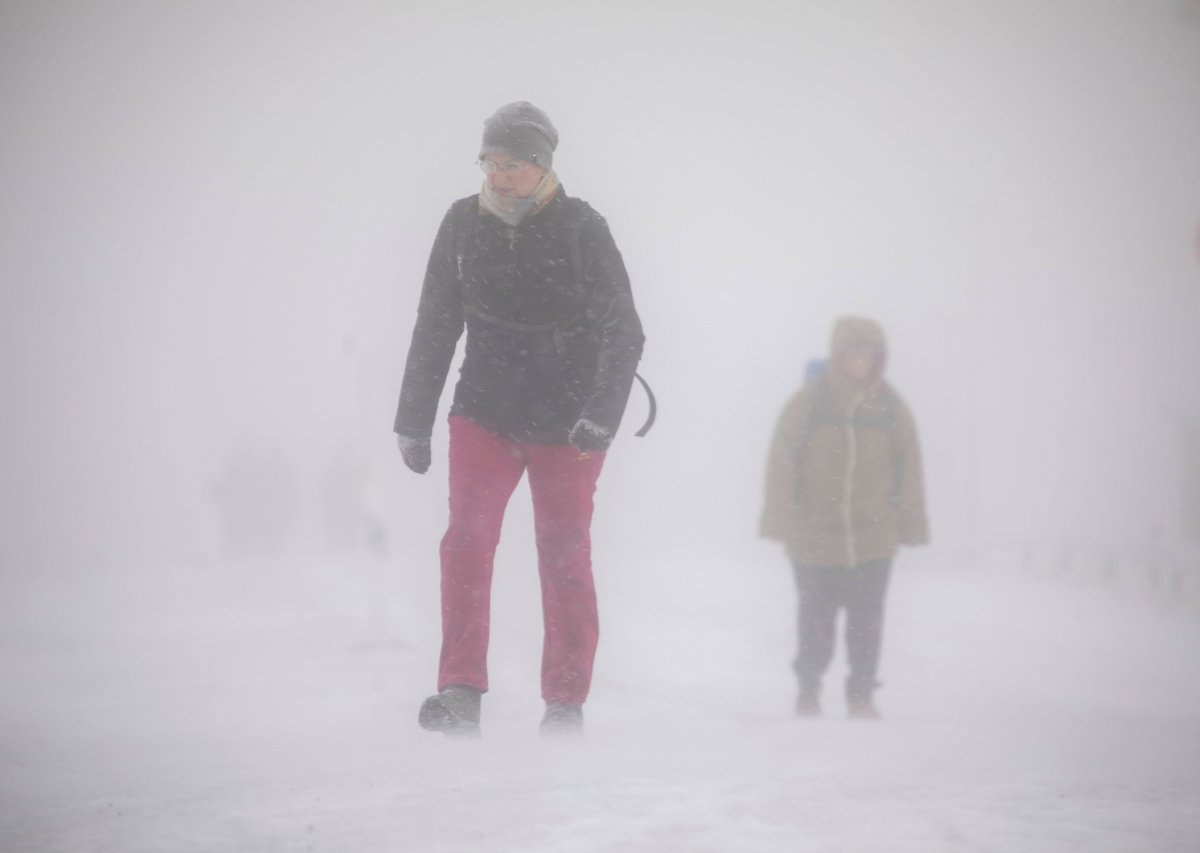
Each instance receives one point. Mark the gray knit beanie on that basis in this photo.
(520, 130)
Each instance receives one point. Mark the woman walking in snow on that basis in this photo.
(843, 490)
(553, 339)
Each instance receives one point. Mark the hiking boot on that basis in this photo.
(808, 705)
(862, 709)
(562, 720)
(454, 711)
(859, 702)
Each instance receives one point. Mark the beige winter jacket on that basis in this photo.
(844, 483)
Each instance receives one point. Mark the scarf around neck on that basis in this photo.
(513, 210)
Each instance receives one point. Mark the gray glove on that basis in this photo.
(589, 437)
(416, 452)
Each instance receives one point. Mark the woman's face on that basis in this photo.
(511, 177)
(859, 360)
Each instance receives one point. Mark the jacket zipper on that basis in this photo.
(848, 492)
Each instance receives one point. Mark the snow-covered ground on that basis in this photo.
(212, 233)
(270, 706)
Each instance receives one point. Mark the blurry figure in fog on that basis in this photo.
(552, 343)
(342, 487)
(255, 495)
(843, 490)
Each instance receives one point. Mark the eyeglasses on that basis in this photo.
(512, 167)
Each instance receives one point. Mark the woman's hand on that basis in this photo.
(588, 437)
(416, 452)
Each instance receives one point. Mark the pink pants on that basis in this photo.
(484, 470)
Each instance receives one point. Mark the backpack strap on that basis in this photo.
(574, 230)
(817, 411)
(560, 344)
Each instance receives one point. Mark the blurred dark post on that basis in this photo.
(1189, 502)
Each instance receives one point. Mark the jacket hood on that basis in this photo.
(850, 331)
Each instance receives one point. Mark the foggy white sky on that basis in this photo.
(215, 218)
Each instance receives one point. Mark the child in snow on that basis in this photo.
(843, 490)
(552, 343)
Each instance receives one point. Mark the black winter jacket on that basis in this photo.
(543, 349)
